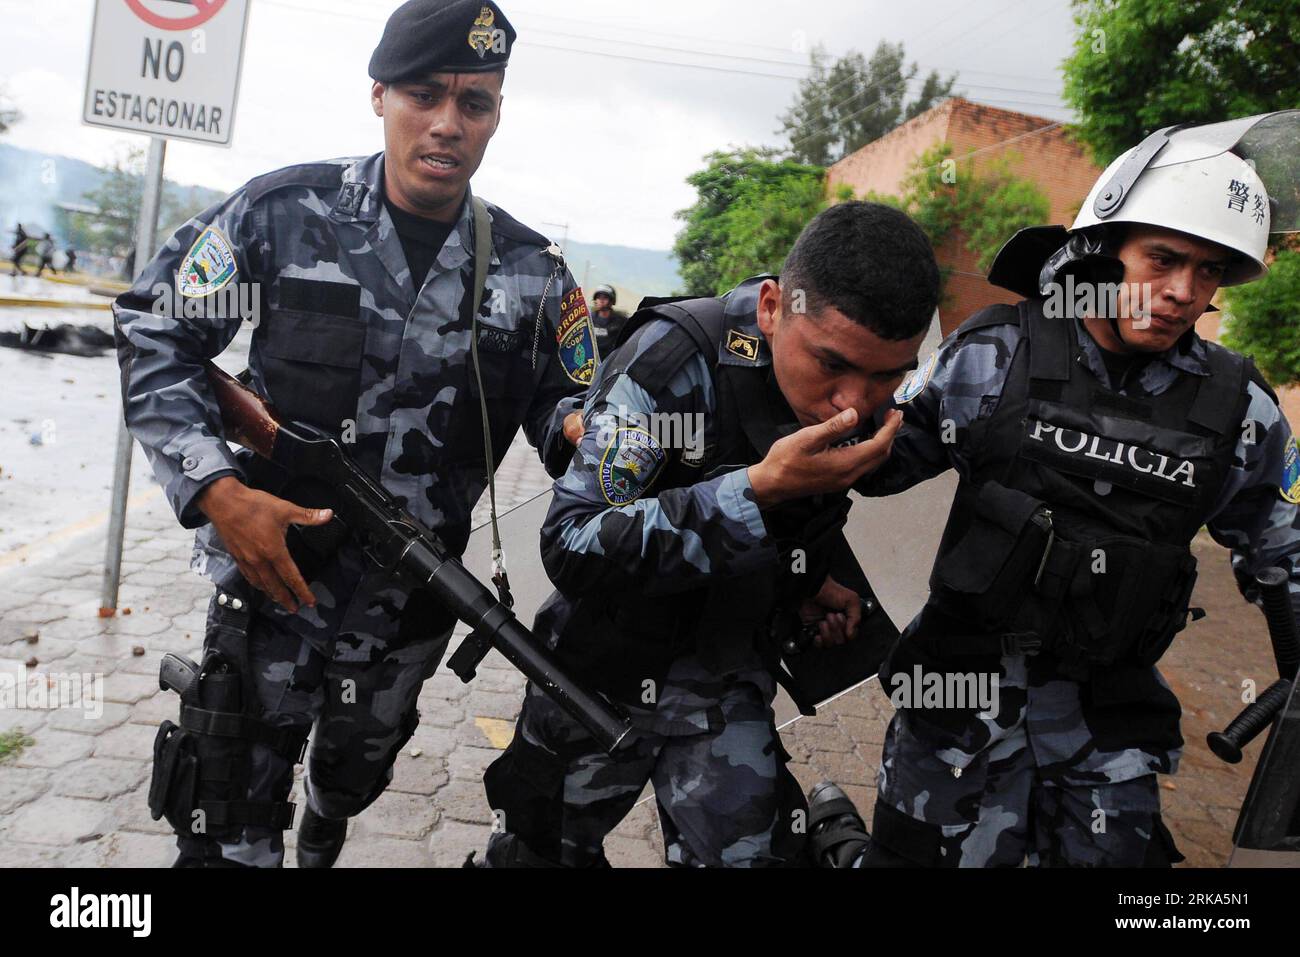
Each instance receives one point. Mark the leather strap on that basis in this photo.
(482, 256)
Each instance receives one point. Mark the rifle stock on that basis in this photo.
(246, 416)
(396, 542)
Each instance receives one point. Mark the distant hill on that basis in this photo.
(631, 271)
(32, 183)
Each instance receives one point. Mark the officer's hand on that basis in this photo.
(573, 428)
(805, 464)
(839, 610)
(252, 525)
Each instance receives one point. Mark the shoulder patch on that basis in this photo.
(576, 339)
(631, 463)
(742, 345)
(315, 175)
(208, 266)
(1290, 487)
(916, 380)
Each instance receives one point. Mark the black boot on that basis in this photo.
(837, 835)
(320, 839)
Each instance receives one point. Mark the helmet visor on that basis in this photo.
(1270, 142)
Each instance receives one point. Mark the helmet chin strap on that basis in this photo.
(1093, 255)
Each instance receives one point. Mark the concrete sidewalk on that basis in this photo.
(77, 795)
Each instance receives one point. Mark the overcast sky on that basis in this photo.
(592, 136)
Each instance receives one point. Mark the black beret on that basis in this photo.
(442, 36)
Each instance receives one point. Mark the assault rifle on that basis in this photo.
(401, 546)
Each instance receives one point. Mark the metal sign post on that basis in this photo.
(146, 228)
(165, 69)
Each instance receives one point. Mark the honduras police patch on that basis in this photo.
(629, 466)
(1290, 487)
(575, 338)
(916, 381)
(207, 267)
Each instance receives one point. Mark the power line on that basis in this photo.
(804, 137)
(687, 51)
(869, 86)
(568, 49)
(701, 66)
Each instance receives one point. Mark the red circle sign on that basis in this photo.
(203, 12)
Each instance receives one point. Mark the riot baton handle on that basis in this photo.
(1254, 718)
(1275, 593)
(1275, 596)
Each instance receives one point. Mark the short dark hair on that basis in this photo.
(872, 263)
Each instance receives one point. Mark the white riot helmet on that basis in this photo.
(1230, 183)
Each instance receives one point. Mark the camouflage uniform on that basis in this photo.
(630, 554)
(346, 341)
(1036, 779)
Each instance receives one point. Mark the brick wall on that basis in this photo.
(1047, 156)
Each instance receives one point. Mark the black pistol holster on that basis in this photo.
(202, 766)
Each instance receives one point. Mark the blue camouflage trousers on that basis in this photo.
(360, 714)
(725, 796)
(1003, 810)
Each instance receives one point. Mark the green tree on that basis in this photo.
(1260, 319)
(845, 104)
(1141, 65)
(117, 198)
(112, 230)
(987, 207)
(749, 209)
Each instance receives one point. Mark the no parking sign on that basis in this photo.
(166, 67)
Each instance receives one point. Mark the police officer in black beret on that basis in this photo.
(367, 272)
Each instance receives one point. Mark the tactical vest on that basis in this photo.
(619, 641)
(1071, 536)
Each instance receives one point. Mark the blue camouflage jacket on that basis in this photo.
(344, 339)
(655, 525)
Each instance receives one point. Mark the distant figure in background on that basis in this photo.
(71, 253)
(21, 244)
(607, 320)
(45, 250)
